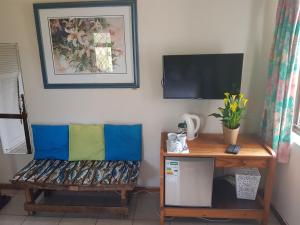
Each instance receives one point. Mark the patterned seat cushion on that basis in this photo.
(62, 172)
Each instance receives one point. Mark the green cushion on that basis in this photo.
(86, 142)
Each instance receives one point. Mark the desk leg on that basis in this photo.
(162, 217)
(162, 188)
(268, 190)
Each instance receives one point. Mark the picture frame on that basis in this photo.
(88, 44)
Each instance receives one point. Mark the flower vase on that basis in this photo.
(230, 135)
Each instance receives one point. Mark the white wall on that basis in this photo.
(165, 27)
(286, 196)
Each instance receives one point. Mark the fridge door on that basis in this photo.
(188, 181)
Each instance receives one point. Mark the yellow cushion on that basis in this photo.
(86, 142)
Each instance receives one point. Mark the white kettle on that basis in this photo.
(193, 124)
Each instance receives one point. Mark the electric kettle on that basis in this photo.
(192, 124)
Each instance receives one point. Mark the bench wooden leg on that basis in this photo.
(123, 197)
(124, 202)
(29, 199)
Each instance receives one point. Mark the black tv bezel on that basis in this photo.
(163, 78)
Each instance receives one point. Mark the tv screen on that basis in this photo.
(205, 76)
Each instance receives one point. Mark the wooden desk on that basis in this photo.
(253, 154)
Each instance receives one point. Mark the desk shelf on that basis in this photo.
(253, 154)
(224, 197)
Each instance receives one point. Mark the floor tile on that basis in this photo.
(36, 220)
(187, 221)
(49, 214)
(114, 222)
(144, 210)
(78, 221)
(15, 206)
(81, 215)
(273, 220)
(147, 222)
(110, 215)
(274, 223)
(147, 207)
(11, 220)
(233, 222)
(132, 206)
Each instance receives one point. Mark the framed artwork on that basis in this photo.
(88, 44)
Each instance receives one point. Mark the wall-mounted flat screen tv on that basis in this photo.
(205, 76)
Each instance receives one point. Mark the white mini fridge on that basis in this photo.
(188, 181)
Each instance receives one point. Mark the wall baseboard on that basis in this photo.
(5, 186)
(278, 216)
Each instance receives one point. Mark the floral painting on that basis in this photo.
(88, 45)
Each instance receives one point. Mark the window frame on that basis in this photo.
(296, 122)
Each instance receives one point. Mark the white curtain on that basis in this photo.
(11, 87)
(11, 130)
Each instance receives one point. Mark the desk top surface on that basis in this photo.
(212, 145)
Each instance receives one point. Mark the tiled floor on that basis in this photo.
(144, 210)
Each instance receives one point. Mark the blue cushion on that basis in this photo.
(51, 141)
(123, 142)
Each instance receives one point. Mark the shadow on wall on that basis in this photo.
(258, 63)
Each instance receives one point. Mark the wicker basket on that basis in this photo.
(247, 182)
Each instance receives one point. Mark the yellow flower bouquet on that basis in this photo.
(233, 111)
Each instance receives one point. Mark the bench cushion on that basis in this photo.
(51, 141)
(90, 173)
(123, 142)
(86, 142)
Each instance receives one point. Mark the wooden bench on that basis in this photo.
(76, 176)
